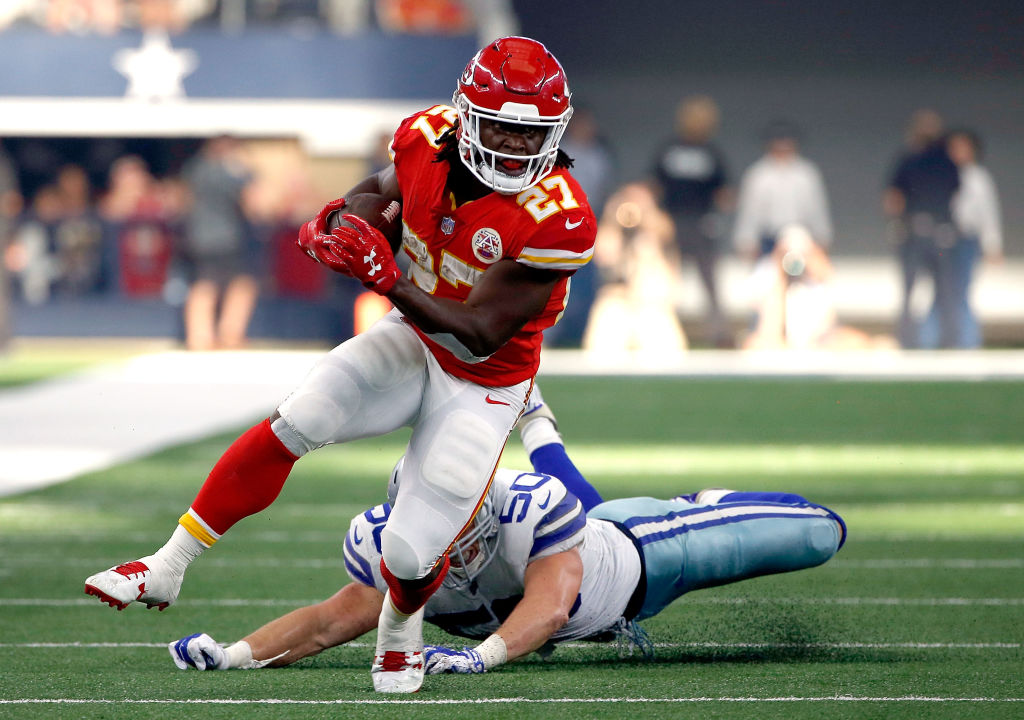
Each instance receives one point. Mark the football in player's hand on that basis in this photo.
(379, 211)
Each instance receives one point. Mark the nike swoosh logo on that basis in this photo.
(492, 401)
(355, 536)
(573, 225)
(546, 501)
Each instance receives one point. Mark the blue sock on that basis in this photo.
(553, 460)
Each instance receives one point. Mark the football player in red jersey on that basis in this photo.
(493, 227)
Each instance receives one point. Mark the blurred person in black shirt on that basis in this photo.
(224, 288)
(918, 201)
(690, 174)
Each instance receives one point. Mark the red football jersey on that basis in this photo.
(549, 225)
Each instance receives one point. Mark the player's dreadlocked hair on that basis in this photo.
(449, 150)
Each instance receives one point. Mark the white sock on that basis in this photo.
(180, 550)
(538, 433)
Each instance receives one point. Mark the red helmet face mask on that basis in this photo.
(514, 80)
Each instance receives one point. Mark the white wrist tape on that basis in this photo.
(239, 655)
(492, 651)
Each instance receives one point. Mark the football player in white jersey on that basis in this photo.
(537, 567)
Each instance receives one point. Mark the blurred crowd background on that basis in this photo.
(766, 175)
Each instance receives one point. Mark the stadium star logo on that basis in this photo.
(155, 70)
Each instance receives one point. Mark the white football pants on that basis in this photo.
(382, 380)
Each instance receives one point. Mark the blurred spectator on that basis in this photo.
(427, 17)
(690, 173)
(14, 12)
(488, 19)
(979, 232)
(594, 167)
(635, 306)
(918, 202)
(58, 246)
(593, 162)
(780, 189)
(793, 293)
(493, 19)
(10, 207)
(32, 258)
(104, 17)
(346, 17)
(223, 291)
(78, 236)
(84, 16)
(10, 194)
(140, 215)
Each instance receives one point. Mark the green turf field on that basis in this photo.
(921, 615)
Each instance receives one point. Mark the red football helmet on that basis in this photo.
(513, 80)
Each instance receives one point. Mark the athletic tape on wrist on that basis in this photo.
(492, 651)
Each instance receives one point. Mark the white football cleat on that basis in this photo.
(147, 581)
(536, 408)
(398, 661)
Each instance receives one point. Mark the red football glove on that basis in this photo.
(308, 241)
(366, 254)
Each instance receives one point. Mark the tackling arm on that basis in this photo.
(349, 613)
(550, 589)
(551, 586)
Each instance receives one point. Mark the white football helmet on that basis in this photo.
(513, 80)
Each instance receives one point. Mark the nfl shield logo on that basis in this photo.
(487, 245)
(447, 225)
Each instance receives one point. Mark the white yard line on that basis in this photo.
(21, 560)
(515, 700)
(282, 602)
(585, 646)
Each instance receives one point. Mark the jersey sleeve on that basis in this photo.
(566, 226)
(559, 529)
(558, 249)
(540, 517)
(362, 547)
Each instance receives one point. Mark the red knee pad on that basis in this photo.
(408, 596)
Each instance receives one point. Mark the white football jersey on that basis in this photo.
(537, 517)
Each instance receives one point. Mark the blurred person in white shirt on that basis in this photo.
(793, 293)
(781, 188)
(976, 215)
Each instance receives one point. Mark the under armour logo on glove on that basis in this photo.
(374, 267)
(378, 270)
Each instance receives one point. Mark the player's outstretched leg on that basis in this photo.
(398, 660)
(538, 430)
(246, 479)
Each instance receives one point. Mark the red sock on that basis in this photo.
(410, 595)
(247, 478)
